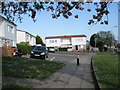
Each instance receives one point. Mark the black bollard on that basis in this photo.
(77, 61)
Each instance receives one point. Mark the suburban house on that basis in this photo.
(71, 42)
(7, 36)
(23, 36)
(7, 32)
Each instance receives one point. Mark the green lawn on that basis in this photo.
(15, 87)
(104, 53)
(106, 68)
(29, 68)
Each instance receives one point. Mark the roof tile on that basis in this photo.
(65, 36)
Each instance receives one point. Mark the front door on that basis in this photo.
(76, 47)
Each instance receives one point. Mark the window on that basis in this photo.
(79, 39)
(11, 42)
(55, 41)
(27, 37)
(40, 48)
(10, 29)
(51, 41)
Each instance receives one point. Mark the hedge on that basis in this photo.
(25, 49)
(62, 49)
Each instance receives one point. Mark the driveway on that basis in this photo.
(71, 76)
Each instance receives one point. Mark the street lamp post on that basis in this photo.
(112, 40)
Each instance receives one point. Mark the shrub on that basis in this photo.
(105, 49)
(24, 43)
(100, 49)
(25, 49)
(29, 49)
(62, 49)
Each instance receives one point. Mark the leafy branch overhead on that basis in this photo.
(16, 9)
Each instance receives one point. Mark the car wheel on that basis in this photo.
(31, 56)
(45, 57)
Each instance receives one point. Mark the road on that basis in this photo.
(70, 76)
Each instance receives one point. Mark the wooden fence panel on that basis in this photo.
(7, 50)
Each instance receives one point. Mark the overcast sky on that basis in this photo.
(46, 26)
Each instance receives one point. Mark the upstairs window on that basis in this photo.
(79, 39)
(10, 29)
(51, 41)
(61, 41)
(55, 41)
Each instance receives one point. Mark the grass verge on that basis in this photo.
(106, 68)
(29, 68)
(14, 87)
(105, 53)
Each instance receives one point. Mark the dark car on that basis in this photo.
(39, 52)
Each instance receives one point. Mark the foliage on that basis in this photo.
(106, 37)
(17, 9)
(104, 53)
(39, 40)
(102, 38)
(118, 46)
(24, 43)
(100, 45)
(29, 68)
(24, 47)
(92, 40)
(106, 68)
(14, 87)
(62, 49)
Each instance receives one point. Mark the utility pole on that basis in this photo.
(118, 22)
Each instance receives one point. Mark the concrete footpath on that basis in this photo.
(71, 76)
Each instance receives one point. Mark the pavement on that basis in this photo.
(71, 76)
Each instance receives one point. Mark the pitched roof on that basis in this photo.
(26, 32)
(65, 36)
(8, 20)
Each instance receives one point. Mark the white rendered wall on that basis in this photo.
(65, 41)
(1, 27)
(8, 34)
(21, 37)
(5, 34)
(49, 44)
(78, 40)
(32, 41)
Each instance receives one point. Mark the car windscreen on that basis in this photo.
(40, 48)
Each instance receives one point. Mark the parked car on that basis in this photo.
(95, 49)
(51, 49)
(17, 52)
(39, 52)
